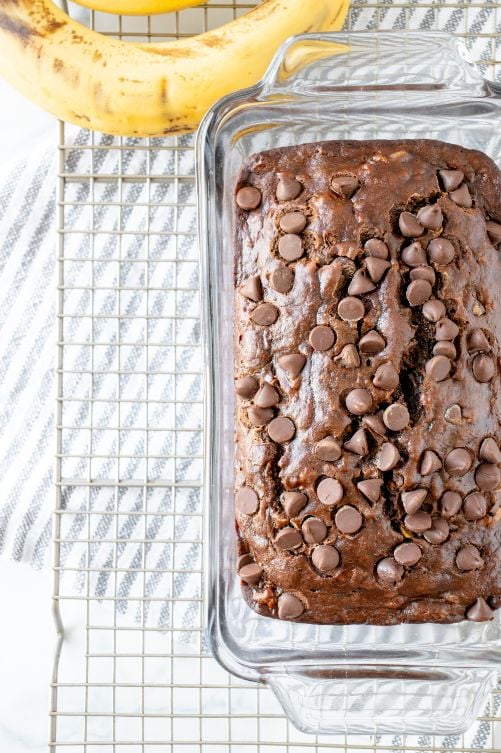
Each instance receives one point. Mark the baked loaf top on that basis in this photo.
(367, 326)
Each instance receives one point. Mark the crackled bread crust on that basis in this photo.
(387, 179)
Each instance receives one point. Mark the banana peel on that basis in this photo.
(138, 7)
(133, 89)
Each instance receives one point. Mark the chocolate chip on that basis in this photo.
(371, 343)
(478, 341)
(244, 559)
(293, 222)
(281, 429)
(349, 357)
(451, 179)
(330, 491)
(423, 273)
(441, 251)
(326, 558)
(413, 255)
(350, 309)
(251, 573)
(314, 530)
(438, 532)
(344, 185)
(290, 247)
(288, 188)
(454, 415)
(450, 503)
(389, 571)
(293, 503)
(267, 396)
(433, 310)
(458, 462)
(474, 506)
(357, 443)
(409, 225)
(292, 364)
(430, 463)
(246, 500)
(487, 477)
(396, 417)
(360, 283)
(388, 458)
(289, 606)
(246, 387)
(407, 554)
(377, 248)
(469, 558)
(328, 449)
(359, 401)
(418, 292)
(446, 329)
(282, 279)
(489, 451)
(493, 231)
(480, 611)
(348, 519)
(438, 368)
(483, 368)
(386, 377)
(413, 500)
(248, 198)
(431, 217)
(252, 289)
(445, 348)
(288, 538)
(264, 314)
(259, 416)
(371, 488)
(321, 337)
(375, 423)
(418, 522)
(461, 196)
(376, 267)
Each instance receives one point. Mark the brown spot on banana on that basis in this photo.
(58, 65)
(18, 29)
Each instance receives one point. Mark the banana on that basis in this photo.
(126, 89)
(138, 7)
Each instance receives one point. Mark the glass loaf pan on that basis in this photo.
(419, 678)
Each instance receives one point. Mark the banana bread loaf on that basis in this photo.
(367, 326)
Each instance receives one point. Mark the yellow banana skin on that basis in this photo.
(132, 89)
(138, 7)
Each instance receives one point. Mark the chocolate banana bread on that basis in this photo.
(367, 329)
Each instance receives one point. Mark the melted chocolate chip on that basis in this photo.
(376, 268)
(360, 284)
(438, 368)
(386, 377)
(489, 451)
(413, 255)
(396, 417)
(371, 343)
(445, 348)
(480, 611)
(418, 292)
(446, 329)
(348, 357)
(483, 368)
(450, 503)
(244, 559)
(478, 341)
(371, 488)
(433, 310)
(259, 416)
(375, 424)
(293, 503)
(451, 179)
(288, 538)
(430, 463)
(487, 477)
(267, 396)
(438, 532)
(252, 289)
(377, 248)
(288, 188)
(493, 231)
(441, 251)
(248, 198)
(351, 309)
(409, 225)
(423, 273)
(413, 500)
(469, 558)
(461, 196)
(314, 530)
(431, 217)
(251, 573)
(344, 185)
(418, 522)
(389, 457)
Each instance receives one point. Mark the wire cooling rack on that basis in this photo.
(132, 673)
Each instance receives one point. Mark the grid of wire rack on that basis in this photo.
(132, 673)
